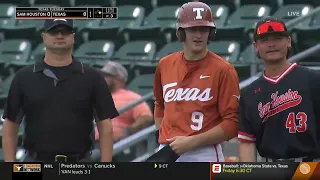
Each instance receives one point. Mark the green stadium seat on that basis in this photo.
(8, 22)
(169, 34)
(274, 5)
(148, 67)
(129, 16)
(7, 15)
(38, 23)
(37, 53)
(146, 4)
(163, 19)
(228, 50)
(101, 33)
(16, 2)
(165, 16)
(99, 64)
(135, 51)
(311, 2)
(20, 62)
(14, 50)
(265, 2)
(5, 85)
(147, 33)
(306, 37)
(89, 52)
(315, 20)
(220, 14)
(7, 11)
(231, 33)
(248, 55)
(284, 13)
(28, 32)
(248, 15)
(243, 22)
(168, 49)
(4, 89)
(316, 3)
(159, 3)
(80, 24)
(231, 4)
(142, 84)
(89, 30)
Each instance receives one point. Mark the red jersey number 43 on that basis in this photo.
(296, 122)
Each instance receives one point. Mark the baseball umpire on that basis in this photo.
(59, 97)
(279, 112)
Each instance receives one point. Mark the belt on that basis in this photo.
(57, 157)
(302, 159)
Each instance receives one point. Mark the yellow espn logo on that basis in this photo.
(26, 167)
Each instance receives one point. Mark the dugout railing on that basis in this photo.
(147, 134)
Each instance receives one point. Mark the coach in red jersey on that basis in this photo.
(279, 112)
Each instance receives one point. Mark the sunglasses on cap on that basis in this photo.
(276, 27)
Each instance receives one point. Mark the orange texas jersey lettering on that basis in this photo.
(187, 94)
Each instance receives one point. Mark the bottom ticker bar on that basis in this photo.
(197, 171)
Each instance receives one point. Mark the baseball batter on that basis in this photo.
(196, 91)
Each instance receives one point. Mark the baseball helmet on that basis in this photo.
(193, 14)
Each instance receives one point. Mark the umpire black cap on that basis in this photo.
(51, 23)
(270, 25)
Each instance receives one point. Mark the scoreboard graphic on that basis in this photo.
(66, 13)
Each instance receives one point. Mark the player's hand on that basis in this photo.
(181, 144)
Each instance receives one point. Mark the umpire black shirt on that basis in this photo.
(59, 105)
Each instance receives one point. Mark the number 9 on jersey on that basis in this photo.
(197, 119)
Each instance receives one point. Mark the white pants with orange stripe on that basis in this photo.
(211, 153)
